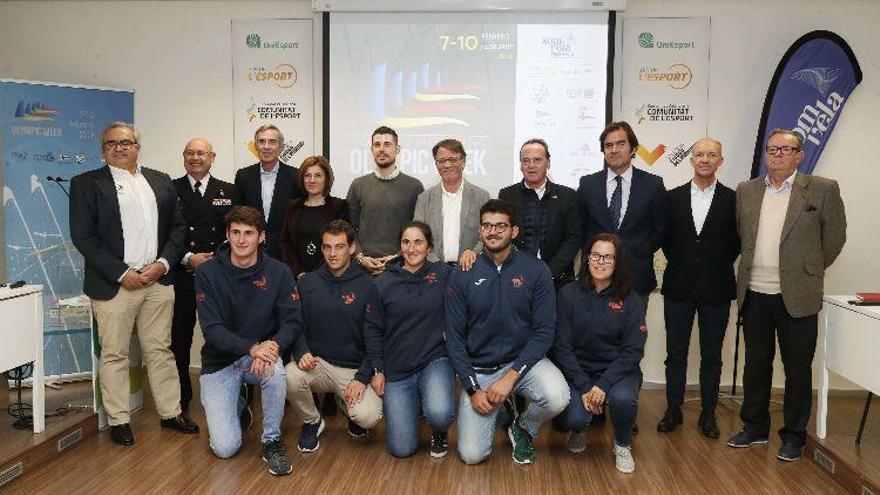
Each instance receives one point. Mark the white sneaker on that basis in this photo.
(623, 459)
(577, 442)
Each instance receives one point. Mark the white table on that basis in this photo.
(21, 314)
(851, 346)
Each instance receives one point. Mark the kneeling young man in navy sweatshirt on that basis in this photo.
(249, 312)
(500, 323)
(330, 354)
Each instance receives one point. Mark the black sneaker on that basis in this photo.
(273, 454)
(439, 444)
(356, 430)
(790, 452)
(308, 436)
(246, 417)
(747, 438)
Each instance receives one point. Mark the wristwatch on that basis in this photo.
(472, 390)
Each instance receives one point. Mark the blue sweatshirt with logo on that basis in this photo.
(239, 307)
(599, 338)
(333, 318)
(405, 332)
(498, 316)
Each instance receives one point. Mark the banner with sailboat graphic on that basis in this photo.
(49, 133)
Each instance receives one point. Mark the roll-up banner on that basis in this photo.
(665, 91)
(811, 85)
(272, 83)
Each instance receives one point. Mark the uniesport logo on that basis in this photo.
(34, 110)
(253, 40)
(646, 40)
(677, 76)
(284, 75)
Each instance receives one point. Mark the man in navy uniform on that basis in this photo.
(204, 200)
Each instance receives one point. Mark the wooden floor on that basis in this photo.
(165, 462)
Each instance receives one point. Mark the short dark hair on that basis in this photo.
(536, 141)
(787, 132)
(453, 145)
(616, 126)
(245, 215)
(621, 283)
(321, 162)
(338, 226)
(499, 206)
(384, 129)
(416, 224)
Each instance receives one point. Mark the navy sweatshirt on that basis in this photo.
(405, 332)
(333, 318)
(599, 338)
(497, 317)
(239, 307)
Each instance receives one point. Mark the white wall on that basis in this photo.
(177, 57)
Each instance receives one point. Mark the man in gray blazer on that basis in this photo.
(452, 207)
(792, 227)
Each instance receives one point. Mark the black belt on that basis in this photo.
(453, 264)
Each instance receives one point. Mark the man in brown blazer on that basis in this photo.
(792, 227)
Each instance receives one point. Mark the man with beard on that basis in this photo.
(501, 318)
(381, 202)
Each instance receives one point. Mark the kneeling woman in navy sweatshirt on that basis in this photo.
(600, 340)
(404, 338)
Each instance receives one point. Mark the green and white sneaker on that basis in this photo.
(523, 450)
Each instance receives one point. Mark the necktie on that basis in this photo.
(197, 186)
(616, 202)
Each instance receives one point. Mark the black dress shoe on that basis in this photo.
(670, 421)
(708, 425)
(181, 424)
(122, 434)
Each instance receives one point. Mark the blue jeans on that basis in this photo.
(623, 406)
(432, 390)
(544, 385)
(220, 398)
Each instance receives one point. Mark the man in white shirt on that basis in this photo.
(125, 221)
(700, 247)
(452, 207)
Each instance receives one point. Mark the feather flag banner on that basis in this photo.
(811, 85)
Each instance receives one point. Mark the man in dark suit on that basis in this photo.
(550, 227)
(125, 221)
(700, 247)
(269, 184)
(792, 228)
(204, 200)
(626, 201)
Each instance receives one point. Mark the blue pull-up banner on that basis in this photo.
(811, 85)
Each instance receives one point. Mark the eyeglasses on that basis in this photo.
(126, 144)
(199, 153)
(536, 161)
(452, 160)
(602, 258)
(710, 155)
(783, 150)
(489, 227)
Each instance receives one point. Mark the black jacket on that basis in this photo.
(563, 237)
(643, 227)
(338, 209)
(701, 265)
(203, 214)
(248, 188)
(96, 228)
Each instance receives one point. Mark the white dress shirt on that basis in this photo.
(625, 184)
(786, 184)
(140, 218)
(267, 187)
(451, 222)
(202, 187)
(701, 200)
(392, 175)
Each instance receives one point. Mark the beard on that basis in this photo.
(504, 245)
